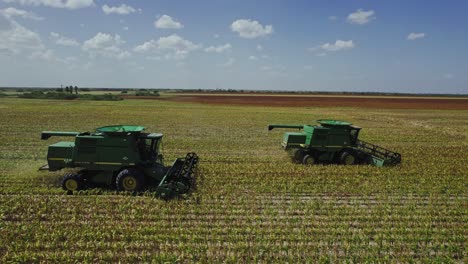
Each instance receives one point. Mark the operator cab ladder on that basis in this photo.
(389, 157)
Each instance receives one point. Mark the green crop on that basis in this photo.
(252, 204)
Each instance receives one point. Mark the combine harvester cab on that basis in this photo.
(122, 156)
(333, 141)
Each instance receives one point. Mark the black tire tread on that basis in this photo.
(346, 153)
(75, 176)
(130, 171)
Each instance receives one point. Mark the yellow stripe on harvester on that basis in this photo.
(113, 163)
(98, 163)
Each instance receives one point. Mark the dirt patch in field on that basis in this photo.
(321, 101)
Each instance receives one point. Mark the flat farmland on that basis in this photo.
(252, 204)
(307, 100)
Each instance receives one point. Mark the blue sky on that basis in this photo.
(380, 46)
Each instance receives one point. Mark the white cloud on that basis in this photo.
(147, 46)
(250, 28)
(123, 55)
(228, 63)
(277, 69)
(67, 4)
(259, 47)
(308, 67)
(338, 45)
(123, 9)
(13, 12)
(15, 38)
(414, 36)
(47, 55)
(105, 45)
(219, 49)
(64, 41)
(321, 54)
(174, 47)
(176, 42)
(156, 58)
(253, 58)
(361, 17)
(332, 18)
(103, 41)
(166, 22)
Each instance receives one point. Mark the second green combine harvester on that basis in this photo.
(122, 156)
(333, 141)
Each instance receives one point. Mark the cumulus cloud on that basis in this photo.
(64, 41)
(167, 22)
(67, 4)
(361, 17)
(13, 12)
(219, 49)
(174, 47)
(123, 9)
(15, 38)
(47, 55)
(414, 36)
(228, 63)
(105, 45)
(338, 45)
(251, 28)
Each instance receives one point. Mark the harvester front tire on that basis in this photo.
(309, 160)
(72, 182)
(130, 180)
(348, 158)
(298, 156)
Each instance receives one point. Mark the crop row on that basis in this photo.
(251, 204)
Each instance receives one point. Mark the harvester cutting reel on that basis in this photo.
(180, 179)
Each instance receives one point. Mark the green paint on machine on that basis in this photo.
(333, 141)
(119, 155)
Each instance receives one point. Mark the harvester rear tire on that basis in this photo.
(72, 182)
(348, 158)
(130, 180)
(309, 160)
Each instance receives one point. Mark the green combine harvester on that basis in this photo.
(333, 141)
(122, 156)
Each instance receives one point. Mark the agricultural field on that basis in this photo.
(251, 204)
